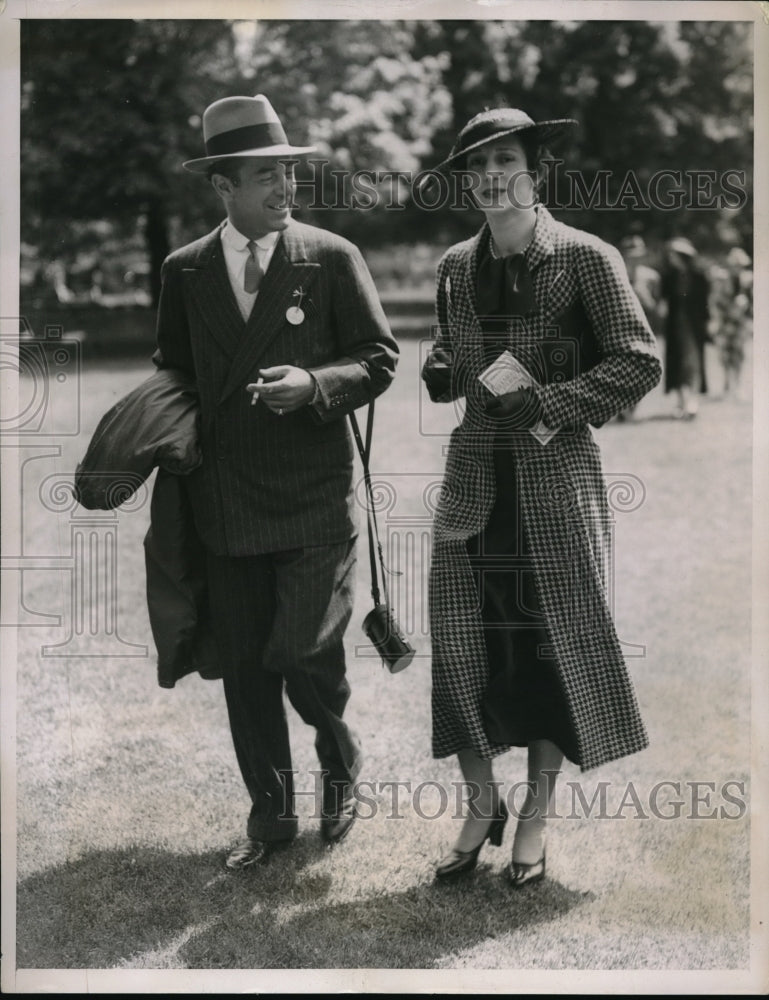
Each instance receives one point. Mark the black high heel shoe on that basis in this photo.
(520, 874)
(456, 862)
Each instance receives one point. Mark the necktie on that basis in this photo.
(253, 273)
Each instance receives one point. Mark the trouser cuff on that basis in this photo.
(271, 828)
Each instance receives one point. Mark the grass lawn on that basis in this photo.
(128, 794)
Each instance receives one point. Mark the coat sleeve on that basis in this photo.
(441, 382)
(174, 348)
(368, 352)
(629, 367)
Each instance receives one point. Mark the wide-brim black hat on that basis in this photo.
(236, 127)
(495, 123)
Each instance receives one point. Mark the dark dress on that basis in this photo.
(686, 294)
(523, 700)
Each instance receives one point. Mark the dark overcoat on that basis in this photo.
(155, 426)
(269, 483)
(687, 296)
(593, 368)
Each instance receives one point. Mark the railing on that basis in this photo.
(126, 329)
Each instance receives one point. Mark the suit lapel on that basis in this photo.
(543, 243)
(209, 286)
(471, 268)
(542, 248)
(468, 292)
(289, 270)
(555, 283)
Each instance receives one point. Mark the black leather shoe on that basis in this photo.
(520, 874)
(251, 852)
(335, 828)
(456, 862)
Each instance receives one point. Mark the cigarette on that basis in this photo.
(255, 394)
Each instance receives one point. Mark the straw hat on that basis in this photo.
(495, 123)
(242, 126)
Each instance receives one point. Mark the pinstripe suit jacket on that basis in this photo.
(269, 483)
(560, 485)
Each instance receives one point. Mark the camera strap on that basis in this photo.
(374, 545)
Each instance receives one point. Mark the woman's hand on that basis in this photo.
(521, 409)
(436, 373)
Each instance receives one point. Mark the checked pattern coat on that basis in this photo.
(589, 345)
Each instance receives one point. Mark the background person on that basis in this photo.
(732, 308)
(524, 649)
(281, 327)
(645, 281)
(685, 290)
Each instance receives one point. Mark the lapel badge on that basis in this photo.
(295, 314)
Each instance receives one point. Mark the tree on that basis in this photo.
(109, 110)
(362, 94)
(648, 96)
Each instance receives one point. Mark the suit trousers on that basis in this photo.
(279, 619)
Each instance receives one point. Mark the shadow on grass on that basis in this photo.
(651, 418)
(147, 908)
(677, 418)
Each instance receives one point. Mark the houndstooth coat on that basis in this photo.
(562, 494)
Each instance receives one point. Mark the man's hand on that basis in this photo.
(521, 409)
(284, 388)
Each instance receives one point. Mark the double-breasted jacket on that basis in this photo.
(269, 483)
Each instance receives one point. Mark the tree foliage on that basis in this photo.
(110, 109)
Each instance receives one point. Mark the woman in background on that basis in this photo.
(524, 649)
(685, 290)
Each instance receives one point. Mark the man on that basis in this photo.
(281, 327)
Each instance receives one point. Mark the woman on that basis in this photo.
(685, 291)
(524, 650)
(733, 302)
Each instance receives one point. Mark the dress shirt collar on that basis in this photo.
(235, 239)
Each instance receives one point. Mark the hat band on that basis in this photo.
(238, 140)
